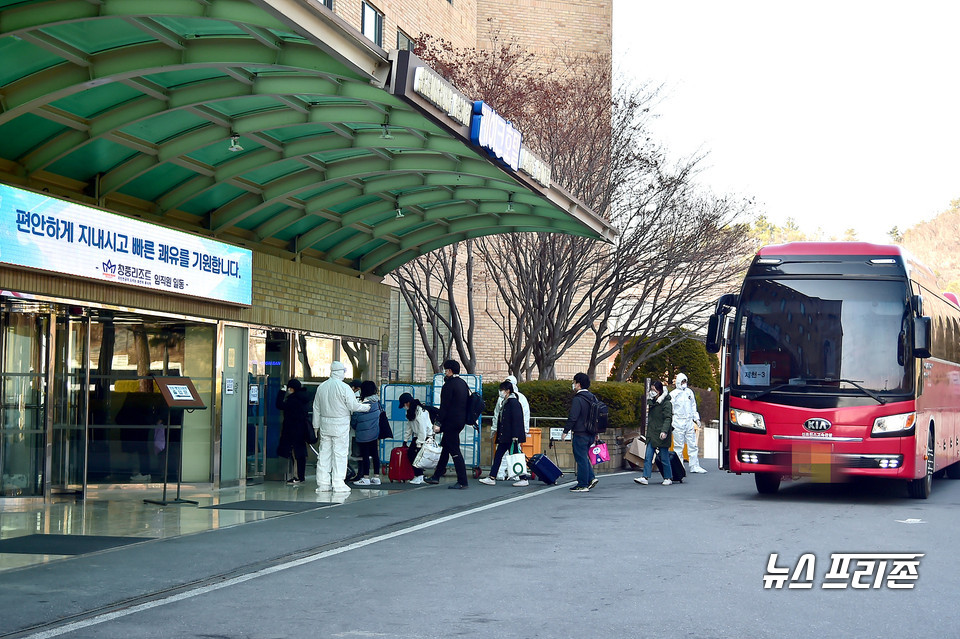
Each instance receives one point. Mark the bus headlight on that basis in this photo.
(747, 420)
(894, 425)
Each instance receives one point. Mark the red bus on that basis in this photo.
(838, 359)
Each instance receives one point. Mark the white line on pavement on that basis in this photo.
(196, 592)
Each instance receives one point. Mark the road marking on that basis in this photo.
(233, 581)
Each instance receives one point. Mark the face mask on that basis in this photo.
(503, 394)
(573, 387)
(652, 394)
(682, 385)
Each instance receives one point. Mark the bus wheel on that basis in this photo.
(920, 488)
(767, 483)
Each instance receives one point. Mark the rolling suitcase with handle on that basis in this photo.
(676, 467)
(400, 467)
(544, 469)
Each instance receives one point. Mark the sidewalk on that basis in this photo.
(180, 546)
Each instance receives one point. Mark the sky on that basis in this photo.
(840, 115)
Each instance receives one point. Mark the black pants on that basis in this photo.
(502, 449)
(369, 450)
(450, 449)
(412, 456)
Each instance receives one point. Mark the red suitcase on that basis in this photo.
(400, 467)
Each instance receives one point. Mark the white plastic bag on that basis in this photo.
(428, 456)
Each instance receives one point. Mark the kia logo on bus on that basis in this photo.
(817, 425)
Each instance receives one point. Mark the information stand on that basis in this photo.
(179, 394)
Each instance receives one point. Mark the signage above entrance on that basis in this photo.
(42, 232)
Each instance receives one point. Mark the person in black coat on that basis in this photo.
(452, 417)
(294, 401)
(510, 431)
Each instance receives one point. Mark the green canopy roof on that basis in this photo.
(262, 123)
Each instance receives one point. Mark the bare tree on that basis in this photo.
(429, 279)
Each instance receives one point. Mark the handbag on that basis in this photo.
(428, 456)
(311, 435)
(599, 453)
(514, 462)
(385, 431)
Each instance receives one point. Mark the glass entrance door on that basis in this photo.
(71, 379)
(24, 357)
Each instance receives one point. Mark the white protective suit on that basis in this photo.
(524, 405)
(332, 407)
(685, 421)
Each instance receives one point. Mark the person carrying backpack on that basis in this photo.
(454, 397)
(583, 438)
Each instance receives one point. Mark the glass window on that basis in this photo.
(404, 42)
(808, 334)
(328, 4)
(372, 24)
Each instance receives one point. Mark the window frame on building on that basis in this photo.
(367, 12)
(404, 42)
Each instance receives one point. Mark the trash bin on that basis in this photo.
(532, 446)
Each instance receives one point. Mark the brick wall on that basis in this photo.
(295, 295)
(547, 27)
(455, 22)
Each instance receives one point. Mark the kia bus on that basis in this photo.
(838, 360)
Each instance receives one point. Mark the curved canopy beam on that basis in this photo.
(258, 122)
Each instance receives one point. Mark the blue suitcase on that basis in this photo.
(545, 470)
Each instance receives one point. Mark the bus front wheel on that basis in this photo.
(767, 483)
(921, 488)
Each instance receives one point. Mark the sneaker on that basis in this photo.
(293, 482)
(593, 483)
(580, 489)
(522, 482)
(341, 489)
(667, 482)
(489, 481)
(324, 488)
(698, 470)
(362, 482)
(641, 480)
(375, 481)
(432, 480)
(416, 481)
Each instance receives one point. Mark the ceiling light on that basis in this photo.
(385, 133)
(234, 144)
(399, 212)
(510, 204)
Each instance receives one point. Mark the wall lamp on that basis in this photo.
(234, 144)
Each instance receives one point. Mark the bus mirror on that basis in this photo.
(726, 302)
(713, 333)
(921, 337)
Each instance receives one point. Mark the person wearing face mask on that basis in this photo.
(659, 424)
(686, 422)
(582, 439)
(332, 406)
(454, 396)
(524, 404)
(509, 432)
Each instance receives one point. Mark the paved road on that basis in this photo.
(624, 560)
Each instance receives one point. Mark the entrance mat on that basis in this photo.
(270, 504)
(63, 544)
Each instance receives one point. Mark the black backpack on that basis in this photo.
(474, 408)
(598, 417)
(434, 413)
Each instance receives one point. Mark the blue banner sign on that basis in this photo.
(490, 131)
(41, 232)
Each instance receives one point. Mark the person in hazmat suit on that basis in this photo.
(686, 422)
(332, 406)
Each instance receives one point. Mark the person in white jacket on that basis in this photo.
(686, 422)
(524, 404)
(418, 428)
(332, 406)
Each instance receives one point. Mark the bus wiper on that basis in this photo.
(759, 394)
(823, 380)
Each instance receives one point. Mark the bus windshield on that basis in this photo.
(819, 335)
